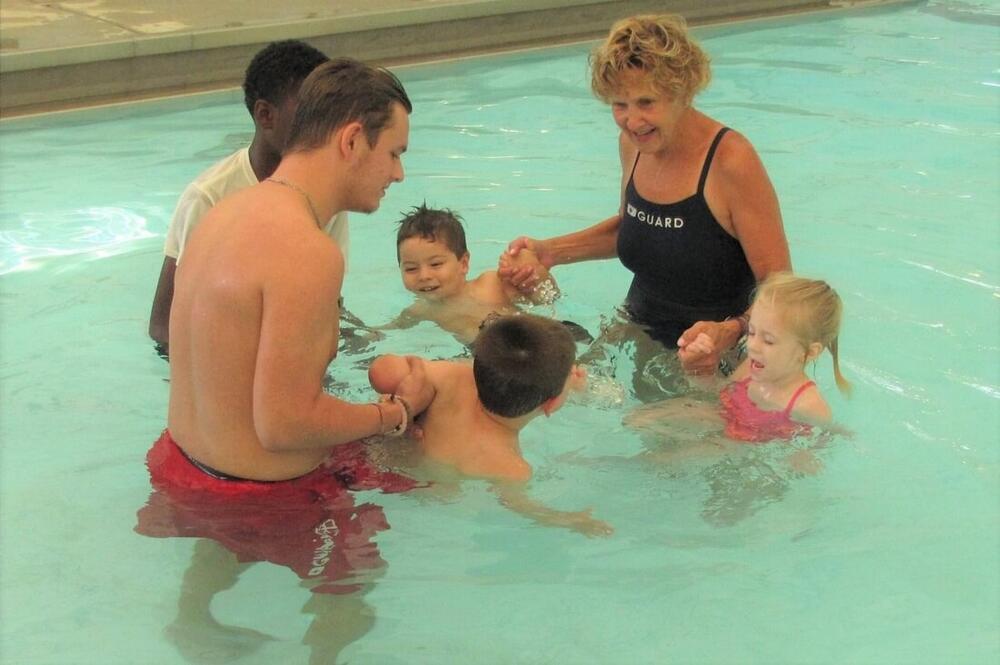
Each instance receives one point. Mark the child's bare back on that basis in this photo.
(522, 368)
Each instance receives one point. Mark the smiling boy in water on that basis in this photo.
(434, 264)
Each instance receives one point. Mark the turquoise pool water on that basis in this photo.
(880, 131)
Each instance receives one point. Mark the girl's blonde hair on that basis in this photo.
(658, 45)
(811, 308)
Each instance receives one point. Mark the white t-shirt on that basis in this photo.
(221, 179)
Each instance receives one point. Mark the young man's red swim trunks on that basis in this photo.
(309, 524)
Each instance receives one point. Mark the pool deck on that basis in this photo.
(66, 54)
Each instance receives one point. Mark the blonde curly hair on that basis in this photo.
(658, 45)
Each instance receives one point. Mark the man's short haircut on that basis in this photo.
(340, 91)
(434, 225)
(520, 361)
(278, 70)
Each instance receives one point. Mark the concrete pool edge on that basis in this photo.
(144, 66)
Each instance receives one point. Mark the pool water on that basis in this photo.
(879, 129)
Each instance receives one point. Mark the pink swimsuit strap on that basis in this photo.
(796, 394)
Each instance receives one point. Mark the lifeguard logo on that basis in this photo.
(321, 556)
(654, 220)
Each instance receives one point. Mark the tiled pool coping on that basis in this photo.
(55, 54)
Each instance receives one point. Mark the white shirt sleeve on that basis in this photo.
(191, 207)
(338, 229)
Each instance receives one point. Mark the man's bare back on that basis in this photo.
(254, 320)
(217, 314)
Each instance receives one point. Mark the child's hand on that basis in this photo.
(697, 348)
(524, 275)
(538, 286)
(414, 387)
(804, 462)
(702, 344)
(582, 522)
(523, 270)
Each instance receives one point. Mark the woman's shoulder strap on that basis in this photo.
(708, 159)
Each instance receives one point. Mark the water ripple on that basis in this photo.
(968, 280)
(97, 231)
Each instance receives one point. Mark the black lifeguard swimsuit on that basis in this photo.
(686, 267)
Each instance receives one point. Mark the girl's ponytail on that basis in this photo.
(842, 384)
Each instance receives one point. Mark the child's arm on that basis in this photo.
(513, 496)
(386, 372)
(403, 375)
(406, 319)
(679, 418)
(545, 290)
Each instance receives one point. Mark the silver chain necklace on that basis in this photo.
(292, 185)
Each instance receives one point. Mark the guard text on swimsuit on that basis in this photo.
(655, 220)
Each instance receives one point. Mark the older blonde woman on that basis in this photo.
(699, 222)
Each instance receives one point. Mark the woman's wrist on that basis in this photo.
(547, 254)
(744, 322)
(736, 328)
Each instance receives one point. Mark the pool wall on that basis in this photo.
(54, 55)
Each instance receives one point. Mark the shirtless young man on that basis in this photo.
(254, 322)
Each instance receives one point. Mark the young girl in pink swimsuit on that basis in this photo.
(792, 321)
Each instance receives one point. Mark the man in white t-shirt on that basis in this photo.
(270, 88)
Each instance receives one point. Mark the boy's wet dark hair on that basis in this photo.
(435, 225)
(278, 70)
(340, 91)
(520, 361)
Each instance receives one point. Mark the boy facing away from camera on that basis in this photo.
(434, 263)
(523, 367)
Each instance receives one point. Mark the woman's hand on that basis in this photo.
(701, 346)
(524, 275)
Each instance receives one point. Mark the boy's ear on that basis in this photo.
(463, 263)
(575, 382)
(813, 351)
(553, 404)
